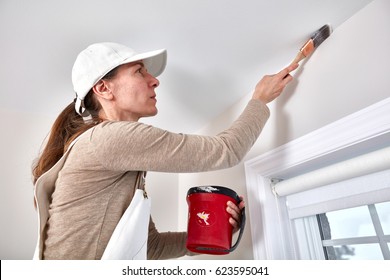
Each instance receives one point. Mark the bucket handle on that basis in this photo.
(242, 226)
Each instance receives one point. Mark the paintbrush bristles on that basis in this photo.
(321, 35)
(315, 40)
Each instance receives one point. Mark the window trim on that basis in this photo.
(272, 232)
(309, 243)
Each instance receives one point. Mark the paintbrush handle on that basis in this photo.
(298, 58)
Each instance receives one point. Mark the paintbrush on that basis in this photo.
(315, 40)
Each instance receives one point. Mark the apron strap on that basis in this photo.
(140, 182)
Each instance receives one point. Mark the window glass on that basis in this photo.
(354, 252)
(352, 222)
(383, 210)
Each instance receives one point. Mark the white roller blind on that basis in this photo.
(358, 181)
(363, 190)
(366, 164)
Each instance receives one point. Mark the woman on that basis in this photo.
(115, 87)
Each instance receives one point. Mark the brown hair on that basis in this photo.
(65, 129)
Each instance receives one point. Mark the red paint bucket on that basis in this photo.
(209, 230)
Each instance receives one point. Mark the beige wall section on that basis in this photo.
(348, 72)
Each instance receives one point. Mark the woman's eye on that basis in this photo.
(141, 70)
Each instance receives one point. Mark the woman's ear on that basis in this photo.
(102, 90)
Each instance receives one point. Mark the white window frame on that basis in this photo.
(274, 235)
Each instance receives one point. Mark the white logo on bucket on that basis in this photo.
(208, 189)
(204, 216)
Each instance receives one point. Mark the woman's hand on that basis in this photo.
(235, 212)
(271, 86)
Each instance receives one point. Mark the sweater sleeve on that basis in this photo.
(165, 245)
(124, 146)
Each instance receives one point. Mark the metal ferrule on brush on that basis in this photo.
(316, 39)
(307, 48)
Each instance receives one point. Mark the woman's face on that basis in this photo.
(133, 93)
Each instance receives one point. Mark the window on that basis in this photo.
(356, 233)
(285, 226)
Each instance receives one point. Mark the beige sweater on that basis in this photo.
(96, 183)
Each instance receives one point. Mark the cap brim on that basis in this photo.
(154, 61)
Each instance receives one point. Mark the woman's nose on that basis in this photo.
(154, 81)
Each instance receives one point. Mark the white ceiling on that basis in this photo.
(217, 49)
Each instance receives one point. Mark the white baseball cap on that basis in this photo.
(98, 59)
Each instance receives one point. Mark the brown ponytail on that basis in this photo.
(65, 129)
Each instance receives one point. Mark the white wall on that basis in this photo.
(21, 139)
(348, 72)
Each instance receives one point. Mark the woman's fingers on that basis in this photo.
(235, 212)
(271, 86)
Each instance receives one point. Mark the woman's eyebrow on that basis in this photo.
(138, 63)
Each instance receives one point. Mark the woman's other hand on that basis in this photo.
(235, 212)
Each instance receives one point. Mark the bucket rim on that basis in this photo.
(214, 189)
